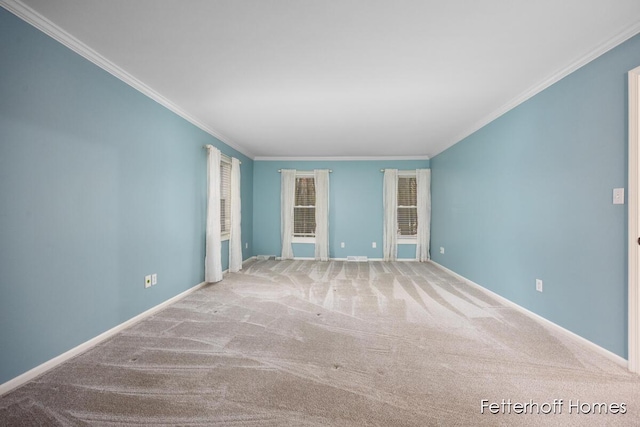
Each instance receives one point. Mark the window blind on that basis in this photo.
(304, 209)
(225, 196)
(407, 206)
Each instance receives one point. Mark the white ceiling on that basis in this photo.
(343, 78)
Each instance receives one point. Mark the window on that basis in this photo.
(225, 197)
(407, 206)
(304, 208)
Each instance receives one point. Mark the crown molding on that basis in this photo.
(43, 24)
(337, 158)
(32, 17)
(554, 78)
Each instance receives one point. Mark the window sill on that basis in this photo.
(225, 236)
(407, 241)
(311, 240)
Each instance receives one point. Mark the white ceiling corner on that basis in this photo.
(337, 80)
(46, 26)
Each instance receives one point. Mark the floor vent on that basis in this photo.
(265, 257)
(357, 259)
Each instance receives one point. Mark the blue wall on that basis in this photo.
(530, 196)
(355, 206)
(99, 186)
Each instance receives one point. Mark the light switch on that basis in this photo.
(618, 196)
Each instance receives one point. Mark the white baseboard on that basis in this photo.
(52, 363)
(345, 259)
(296, 258)
(546, 322)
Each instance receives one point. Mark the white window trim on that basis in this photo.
(407, 240)
(311, 240)
(225, 236)
(407, 174)
(304, 239)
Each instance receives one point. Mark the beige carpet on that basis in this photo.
(305, 343)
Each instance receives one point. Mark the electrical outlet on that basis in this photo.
(154, 279)
(147, 281)
(374, 245)
(538, 285)
(246, 245)
(342, 244)
(441, 250)
(618, 196)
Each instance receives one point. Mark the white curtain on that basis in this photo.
(213, 260)
(287, 196)
(235, 237)
(423, 184)
(390, 202)
(321, 180)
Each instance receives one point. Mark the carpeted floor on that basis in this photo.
(306, 343)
